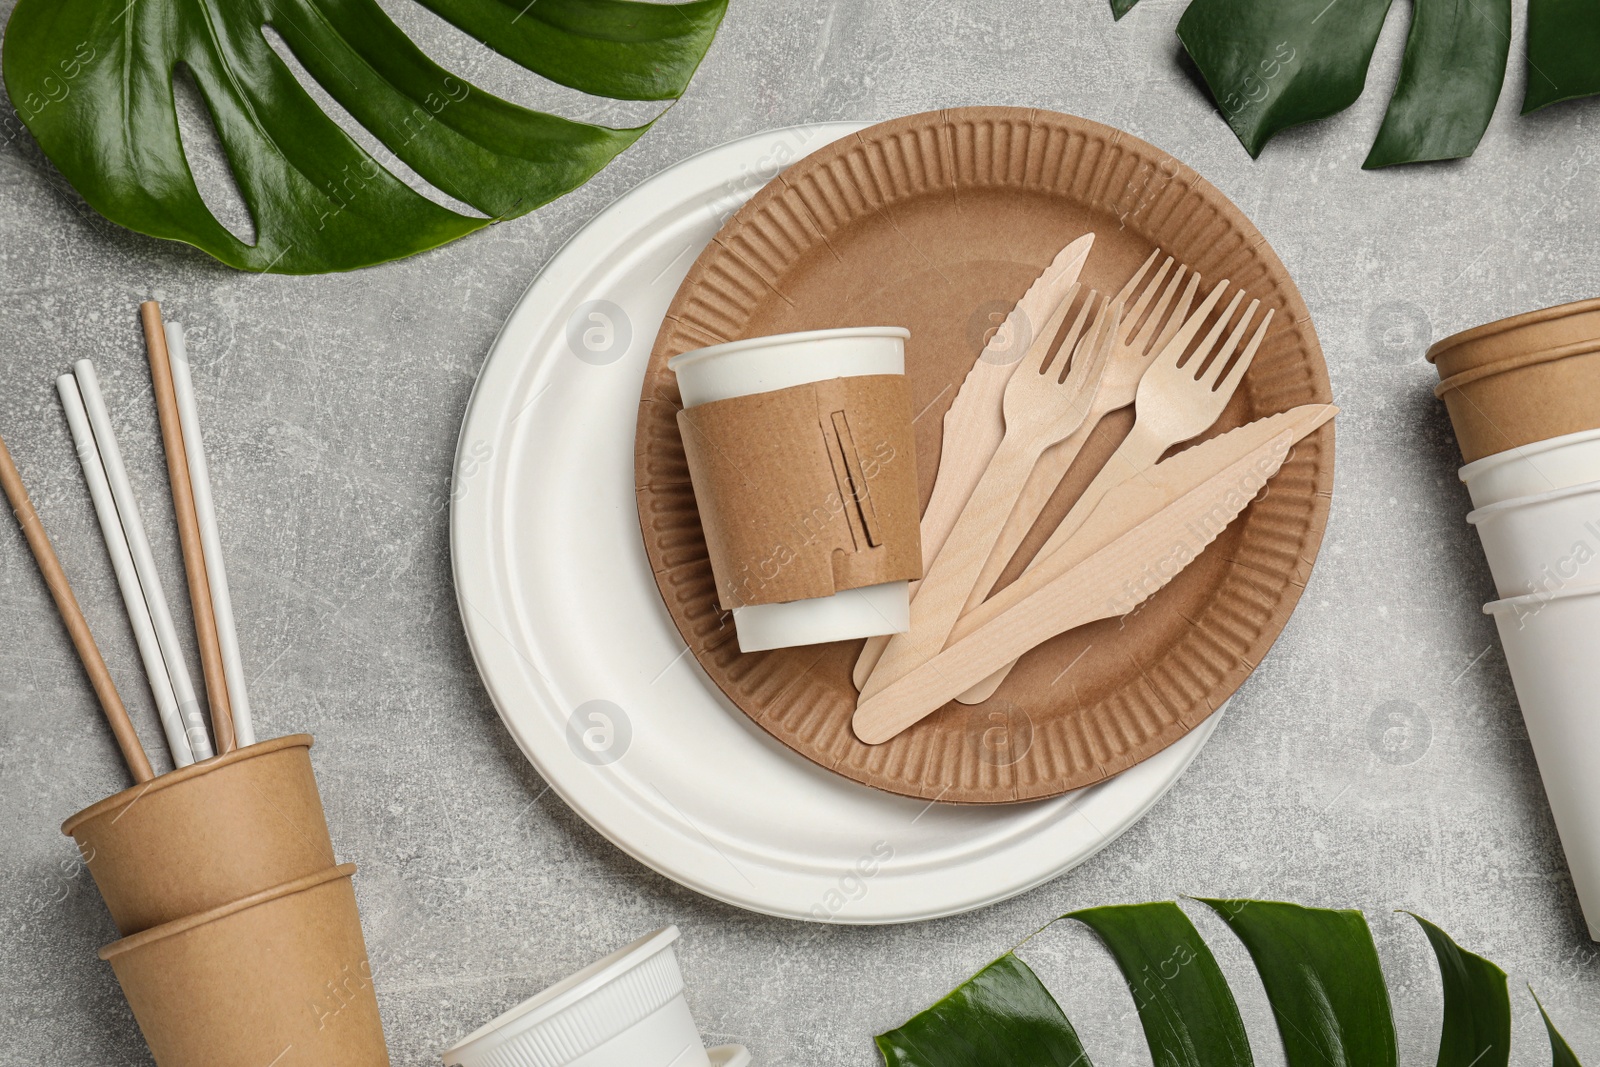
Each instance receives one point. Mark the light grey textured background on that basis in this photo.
(1377, 759)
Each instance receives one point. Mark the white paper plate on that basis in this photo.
(584, 664)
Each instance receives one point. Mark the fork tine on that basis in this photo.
(1231, 383)
(1127, 291)
(1034, 359)
(1141, 343)
(1172, 353)
(1196, 364)
(1065, 360)
(1180, 313)
(1219, 362)
(1093, 352)
(1136, 312)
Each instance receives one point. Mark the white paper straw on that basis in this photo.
(144, 562)
(105, 509)
(210, 537)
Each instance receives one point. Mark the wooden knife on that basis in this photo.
(1130, 504)
(1109, 582)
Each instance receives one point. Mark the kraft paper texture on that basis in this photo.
(1521, 380)
(806, 491)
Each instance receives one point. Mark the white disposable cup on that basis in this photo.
(1542, 543)
(627, 1010)
(1549, 641)
(766, 364)
(1561, 462)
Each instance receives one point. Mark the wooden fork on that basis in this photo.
(975, 423)
(1136, 346)
(1043, 405)
(1180, 396)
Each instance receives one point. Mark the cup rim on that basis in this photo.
(1514, 362)
(189, 922)
(184, 774)
(698, 355)
(1526, 318)
(555, 999)
(1489, 511)
(1471, 470)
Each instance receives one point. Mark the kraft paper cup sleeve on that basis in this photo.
(806, 491)
(281, 978)
(938, 223)
(207, 834)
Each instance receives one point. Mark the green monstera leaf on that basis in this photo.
(1319, 968)
(1188, 1013)
(1321, 972)
(1450, 79)
(93, 81)
(1563, 43)
(1477, 1005)
(1273, 64)
(1001, 1015)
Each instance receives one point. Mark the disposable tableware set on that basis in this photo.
(1066, 357)
(240, 937)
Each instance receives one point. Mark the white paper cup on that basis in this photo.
(627, 1010)
(765, 364)
(1549, 641)
(1561, 462)
(1542, 543)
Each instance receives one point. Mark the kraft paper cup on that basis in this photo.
(1561, 462)
(627, 1010)
(1549, 645)
(766, 364)
(1522, 380)
(1542, 543)
(280, 977)
(1532, 331)
(206, 835)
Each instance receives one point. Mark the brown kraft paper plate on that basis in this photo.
(939, 222)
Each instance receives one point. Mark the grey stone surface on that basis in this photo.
(1377, 759)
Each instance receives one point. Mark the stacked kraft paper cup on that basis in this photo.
(240, 938)
(1524, 399)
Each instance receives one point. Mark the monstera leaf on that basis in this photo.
(1319, 968)
(1563, 46)
(1272, 64)
(92, 80)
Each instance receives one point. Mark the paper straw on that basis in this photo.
(194, 559)
(105, 509)
(210, 535)
(55, 579)
(144, 561)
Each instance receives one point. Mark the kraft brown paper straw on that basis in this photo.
(77, 626)
(194, 560)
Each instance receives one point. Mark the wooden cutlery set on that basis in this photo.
(1020, 420)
